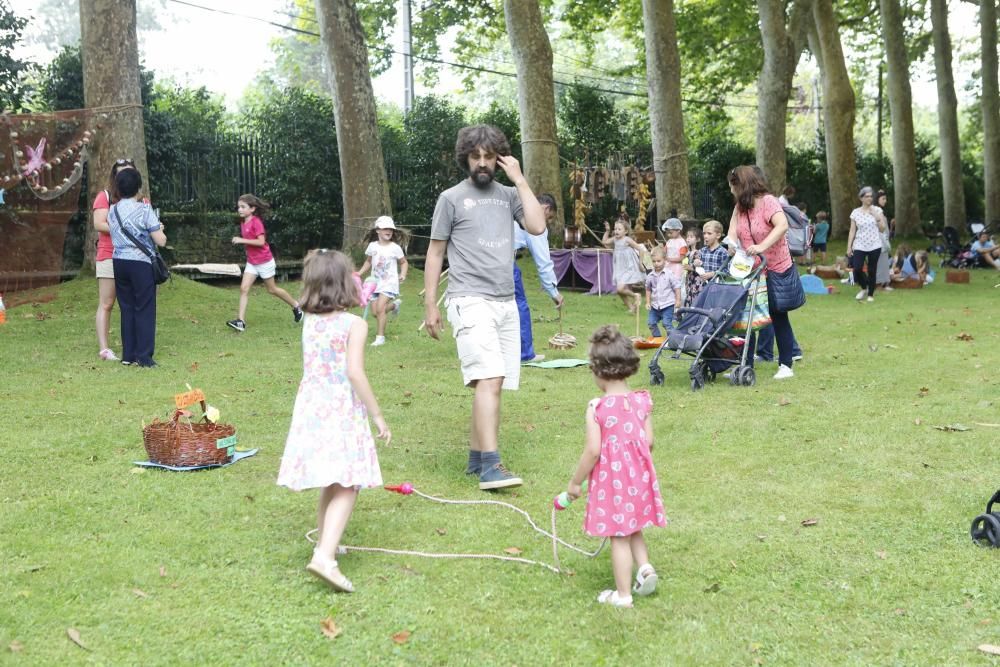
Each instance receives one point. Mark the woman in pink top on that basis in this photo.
(104, 268)
(758, 224)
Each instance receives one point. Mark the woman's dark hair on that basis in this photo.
(748, 182)
(127, 183)
(327, 282)
(261, 207)
(612, 355)
(545, 199)
(119, 165)
(788, 191)
(486, 137)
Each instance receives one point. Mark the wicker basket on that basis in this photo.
(184, 444)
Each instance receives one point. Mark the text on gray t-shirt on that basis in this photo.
(478, 224)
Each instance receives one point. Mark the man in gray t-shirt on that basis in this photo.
(474, 223)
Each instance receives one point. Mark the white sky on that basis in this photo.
(224, 53)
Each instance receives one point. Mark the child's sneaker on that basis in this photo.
(297, 314)
(108, 355)
(498, 477)
(379, 340)
(396, 305)
(239, 325)
(861, 295)
(645, 581)
(612, 598)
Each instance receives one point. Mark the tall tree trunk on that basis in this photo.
(110, 55)
(536, 102)
(782, 48)
(904, 158)
(951, 161)
(663, 78)
(990, 104)
(838, 117)
(362, 169)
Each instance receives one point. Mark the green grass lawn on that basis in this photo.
(160, 568)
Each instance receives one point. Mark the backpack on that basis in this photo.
(798, 230)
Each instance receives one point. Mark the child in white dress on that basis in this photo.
(330, 443)
(387, 261)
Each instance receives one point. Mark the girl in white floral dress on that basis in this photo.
(330, 443)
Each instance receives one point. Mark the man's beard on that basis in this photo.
(482, 177)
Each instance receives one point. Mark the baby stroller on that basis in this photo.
(703, 332)
(956, 255)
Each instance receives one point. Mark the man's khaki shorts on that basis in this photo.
(488, 337)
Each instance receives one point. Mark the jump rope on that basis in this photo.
(560, 502)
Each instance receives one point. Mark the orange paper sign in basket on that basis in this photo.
(188, 398)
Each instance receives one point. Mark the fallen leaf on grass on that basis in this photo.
(528, 428)
(781, 517)
(873, 348)
(16, 646)
(964, 336)
(514, 551)
(923, 392)
(329, 628)
(224, 354)
(881, 554)
(441, 531)
(784, 401)
(407, 394)
(193, 367)
(890, 346)
(401, 637)
(809, 522)
(74, 636)
(762, 537)
(991, 649)
(137, 470)
(918, 421)
(953, 427)
(139, 593)
(163, 570)
(714, 588)
(34, 568)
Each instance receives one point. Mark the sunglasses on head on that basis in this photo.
(122, 161)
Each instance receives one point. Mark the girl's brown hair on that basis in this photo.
(748, 183)
(327, 282)
(261, 207)
(399, 236)
(612, 356)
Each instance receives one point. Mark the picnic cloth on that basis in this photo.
(813, 285)
(237, 456)
(557, 363)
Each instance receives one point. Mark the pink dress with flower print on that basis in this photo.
(330, 439)
(623, 496)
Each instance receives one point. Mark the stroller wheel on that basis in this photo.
(747, 377)
(709, 375)
(734, 376)
(655, 376)
(985, 530)
(697, 382)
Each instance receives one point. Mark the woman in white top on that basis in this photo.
(864, 243)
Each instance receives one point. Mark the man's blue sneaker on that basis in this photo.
(498, 477)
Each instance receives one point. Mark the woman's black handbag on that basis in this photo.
(160, 271)
(784, 290)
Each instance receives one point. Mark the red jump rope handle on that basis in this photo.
(404, 489)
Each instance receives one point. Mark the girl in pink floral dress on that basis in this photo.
(623, 496)
(330, 443)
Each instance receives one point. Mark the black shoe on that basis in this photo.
(239, 325)
(126, 362)
(297, 314)
(148, 364)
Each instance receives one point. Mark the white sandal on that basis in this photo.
(612, 598)
(645, 581)
(326, 569)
